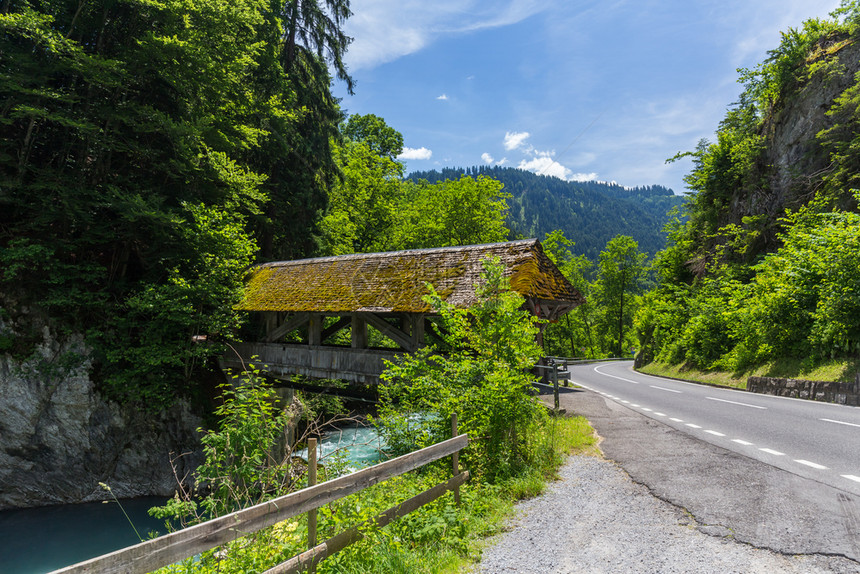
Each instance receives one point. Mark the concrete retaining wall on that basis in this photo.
(829, 392)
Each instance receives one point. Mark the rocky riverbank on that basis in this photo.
(59, 438)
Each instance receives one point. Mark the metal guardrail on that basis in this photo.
(575, 361)
(558, 371)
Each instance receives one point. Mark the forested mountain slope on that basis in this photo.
(589, 213)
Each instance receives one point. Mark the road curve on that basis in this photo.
(732, 489)
(818, 441)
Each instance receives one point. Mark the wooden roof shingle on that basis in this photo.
(394, 281)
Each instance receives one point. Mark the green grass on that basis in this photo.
(831, 370)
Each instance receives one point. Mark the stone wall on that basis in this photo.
(59, 438)
(829, 392)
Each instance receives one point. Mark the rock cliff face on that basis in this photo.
(59, 438)
(794, 162)
(793, 150)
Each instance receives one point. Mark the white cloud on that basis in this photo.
(544, 165)
(443, 97)
(384, 30)
(491, 15)
(419, 153)
(514, 140)
(502, 161)
(487, 158)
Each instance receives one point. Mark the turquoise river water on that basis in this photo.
(39, 540)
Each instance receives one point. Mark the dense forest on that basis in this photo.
(767, 266)
(151, 152)
(589, 213)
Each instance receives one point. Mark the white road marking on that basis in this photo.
(664, 389)
(646, 409)
(691, 425)
(736, 403)
(771, 451)
(659, 414)
(597, 370)
(839, 422)
(715, 433)
(814, 465)
(626, 402)
(634, 405)
(851, 477)
(743, 442)
(676, 420)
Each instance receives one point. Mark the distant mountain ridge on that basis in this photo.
(590, 213)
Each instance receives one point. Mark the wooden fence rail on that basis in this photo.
(171, 548)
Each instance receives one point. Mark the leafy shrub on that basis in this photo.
(802, 301)
(483, 377)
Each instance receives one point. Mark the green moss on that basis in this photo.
(395, 282)
(6, 342)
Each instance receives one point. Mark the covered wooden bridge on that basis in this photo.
(339, 317)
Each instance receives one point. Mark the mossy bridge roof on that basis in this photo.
(394, 282)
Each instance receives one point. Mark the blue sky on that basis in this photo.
(579, 89)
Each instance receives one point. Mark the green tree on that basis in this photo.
(314, 30)
(464, 212)
(363, 202)
(804, 299)
(621, 271)
(362, 205)
(372, 130)
(571, 337)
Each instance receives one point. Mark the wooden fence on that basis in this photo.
(171, 548)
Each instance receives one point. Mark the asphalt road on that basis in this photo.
(818, 441)
(701, 449)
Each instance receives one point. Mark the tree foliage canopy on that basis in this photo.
(147, 151)
(372, 209)
(590, 213)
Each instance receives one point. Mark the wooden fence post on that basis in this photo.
(312, 514)
(455, 459)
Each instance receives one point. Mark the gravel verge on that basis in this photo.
(596, 520)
